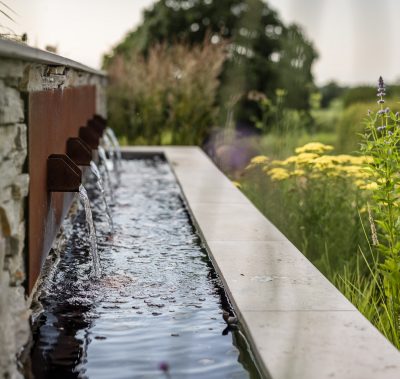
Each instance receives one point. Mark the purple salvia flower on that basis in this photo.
(381, 85)
(381, 128)
(381, 90)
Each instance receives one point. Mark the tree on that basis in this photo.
(263, 53)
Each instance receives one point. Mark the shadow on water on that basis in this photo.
(156, 312)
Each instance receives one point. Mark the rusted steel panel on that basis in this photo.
(53, 117)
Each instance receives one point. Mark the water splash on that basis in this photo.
(92, 233)
(104, 160)
(100, 186)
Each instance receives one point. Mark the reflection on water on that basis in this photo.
(156, 311)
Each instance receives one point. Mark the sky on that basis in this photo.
(356, 39)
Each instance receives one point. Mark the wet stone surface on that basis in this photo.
(156, 310)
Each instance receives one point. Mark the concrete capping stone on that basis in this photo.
(16, 50)
(297, 323)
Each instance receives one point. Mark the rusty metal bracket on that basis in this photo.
(90, 136)
(79, 151)
(100, 118)
(97, 125)
(63, 175)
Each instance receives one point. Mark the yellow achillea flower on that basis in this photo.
(360, 183)
(369, 186)
(314, 147)
(303, 158)
(344, 158)
(358, 172)
(310, 162)
(278, 163)
(259, 159)
(278, 173)
(325, 162)
(298, 172)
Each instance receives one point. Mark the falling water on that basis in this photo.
(103, 158)
(110, 133)
(100, 186)
(110, 148)
(92, 233)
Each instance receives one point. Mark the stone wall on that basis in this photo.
(19, 76)
(14, 328)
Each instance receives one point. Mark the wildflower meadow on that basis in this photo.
(342, 211)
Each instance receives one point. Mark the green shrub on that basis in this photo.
(364, 94)
(381, 141)
(166, 97)
(351, 125)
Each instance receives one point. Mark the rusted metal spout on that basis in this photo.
(79, 151)
(97, 125)
(90, 136)
(63, 175)
(100, 119)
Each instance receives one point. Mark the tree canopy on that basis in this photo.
(263, 53)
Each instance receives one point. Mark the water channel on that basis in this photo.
(156, 310)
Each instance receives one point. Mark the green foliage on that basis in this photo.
(275, 117)
(351, 126)
(365, 289)
(325, 120)
(167, 97)
(364, 94)
(361, 94)
(381, 141)
(330, 92)
(263, 53)
(280, 146)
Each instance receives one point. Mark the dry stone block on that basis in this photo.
(11, 70)
(11, 105)
(2, 253)
(14, 328)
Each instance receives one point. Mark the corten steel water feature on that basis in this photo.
(98, 124)
(79, 151)
(53, 117)
(90, 136)
(63, 175)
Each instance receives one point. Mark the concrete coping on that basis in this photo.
(297, 323)
(18, 50)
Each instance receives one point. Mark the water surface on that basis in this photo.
(156, 311)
